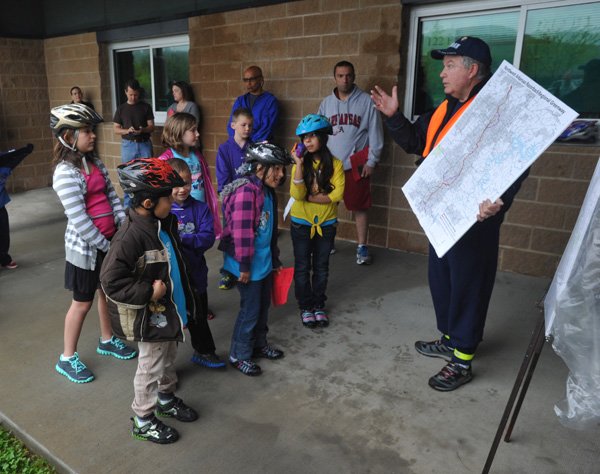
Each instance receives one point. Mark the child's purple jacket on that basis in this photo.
(197, 234)
(229, 158)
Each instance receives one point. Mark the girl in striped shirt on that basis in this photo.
(94, 211)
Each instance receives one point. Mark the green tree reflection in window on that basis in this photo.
(168, 64)
(499, 30)
(561, 51)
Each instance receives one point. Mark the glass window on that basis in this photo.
(170, 64)
(561, 51)
(555, 42)
(499, 30)
(156, 64)
(133, 64)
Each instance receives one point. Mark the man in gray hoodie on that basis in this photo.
(357, 140)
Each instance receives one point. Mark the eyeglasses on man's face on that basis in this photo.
(251, 79)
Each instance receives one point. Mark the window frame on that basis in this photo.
(149, 43)
(463, 9)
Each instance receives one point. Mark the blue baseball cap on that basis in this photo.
(468, 46)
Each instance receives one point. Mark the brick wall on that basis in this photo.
(23, 110)
(296, 44)
(539, 224)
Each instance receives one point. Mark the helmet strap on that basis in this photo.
(66, 144)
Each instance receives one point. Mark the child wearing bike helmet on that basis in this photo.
(147, 283)
(249, 243)
(94, 212)
(317, 187)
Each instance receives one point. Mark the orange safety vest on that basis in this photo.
(436, 122)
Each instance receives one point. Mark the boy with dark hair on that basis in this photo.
(146, 281)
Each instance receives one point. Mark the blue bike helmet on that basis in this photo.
(314, 123)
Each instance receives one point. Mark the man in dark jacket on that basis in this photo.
(461, 282)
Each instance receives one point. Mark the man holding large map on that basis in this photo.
(461, 281)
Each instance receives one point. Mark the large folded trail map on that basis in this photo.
(506, 128)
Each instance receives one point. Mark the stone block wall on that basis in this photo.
(24, 110)
(296, 44)
(539, 224)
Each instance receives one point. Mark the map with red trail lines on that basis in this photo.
(506, 128)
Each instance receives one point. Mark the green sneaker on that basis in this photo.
(175, 408)
(155, 431)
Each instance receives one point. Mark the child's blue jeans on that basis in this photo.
(250, 330)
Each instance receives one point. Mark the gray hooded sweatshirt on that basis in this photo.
(356, 124)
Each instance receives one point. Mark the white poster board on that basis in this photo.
(509, 124)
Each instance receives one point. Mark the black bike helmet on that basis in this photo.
(267, 154)
(152, 175)
(73, 117)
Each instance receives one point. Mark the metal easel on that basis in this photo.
(520, 387)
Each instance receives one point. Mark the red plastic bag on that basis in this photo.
(282, 281)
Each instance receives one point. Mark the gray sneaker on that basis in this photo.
(437, 348)
(74, 370)
(116, 348)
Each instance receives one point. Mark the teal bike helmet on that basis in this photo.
(314, 123)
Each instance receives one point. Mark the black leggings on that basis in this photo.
(5, 258)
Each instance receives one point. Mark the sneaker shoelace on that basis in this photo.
(77, 365)
(117, 343)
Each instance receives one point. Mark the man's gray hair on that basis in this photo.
(483, 70)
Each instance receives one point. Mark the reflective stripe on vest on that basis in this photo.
(436, 122)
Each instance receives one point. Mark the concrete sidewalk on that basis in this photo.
(352, 398)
